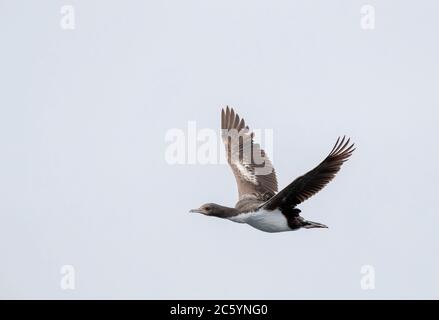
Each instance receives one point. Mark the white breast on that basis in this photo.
(268, 221)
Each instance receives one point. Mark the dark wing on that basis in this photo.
(312, 182)
(253, 171)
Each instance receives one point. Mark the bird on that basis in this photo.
(260, 205)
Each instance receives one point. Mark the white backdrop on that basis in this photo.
(83, 118)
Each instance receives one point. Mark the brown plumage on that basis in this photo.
(254, 172)
(260, 205)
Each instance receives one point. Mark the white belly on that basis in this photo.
(268, 221)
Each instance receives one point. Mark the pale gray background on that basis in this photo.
(83, 116)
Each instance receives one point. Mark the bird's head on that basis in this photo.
(208, 209)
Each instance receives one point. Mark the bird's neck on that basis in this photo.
(225, 212)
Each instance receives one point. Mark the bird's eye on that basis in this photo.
(207, 208)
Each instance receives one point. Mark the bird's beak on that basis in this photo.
(195, 211)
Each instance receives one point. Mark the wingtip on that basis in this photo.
(231, 119)
(342, 145)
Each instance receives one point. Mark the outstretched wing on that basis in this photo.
(315, 180)
(253, 170)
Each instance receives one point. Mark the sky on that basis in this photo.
(92, 208)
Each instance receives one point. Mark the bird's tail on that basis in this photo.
(311, 224)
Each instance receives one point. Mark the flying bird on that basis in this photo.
(260, 205)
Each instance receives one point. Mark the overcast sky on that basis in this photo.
(84, 180)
